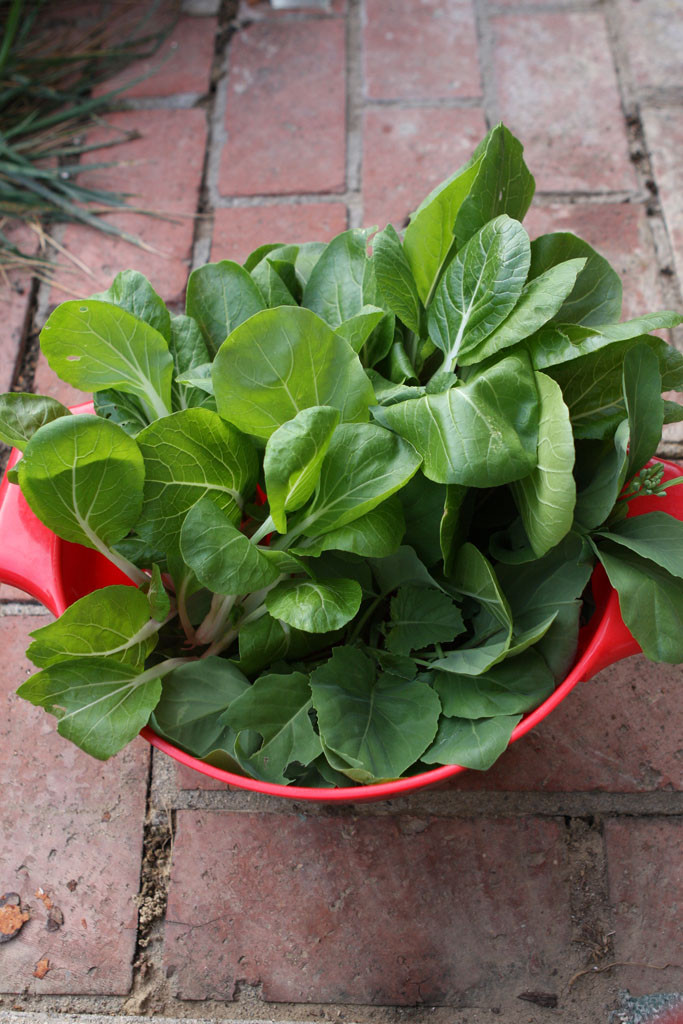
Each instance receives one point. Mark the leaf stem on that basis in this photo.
(264, 529)
(217, 616)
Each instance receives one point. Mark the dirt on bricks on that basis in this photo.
(549, 888)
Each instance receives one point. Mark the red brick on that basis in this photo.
(398, 36)
(664, 134)
(188, 778)
(557, 90)
(652, 35)
(621, 233)
(383, 910)
(407, 153)
(15, 303)
(619, 733)
(66, 818)
(181, 65)
(239, 230)
(646, 892)
(11, 593)
(285, 113)
(46, 382)
(162, 171)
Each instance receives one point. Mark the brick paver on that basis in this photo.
(239, 230)
(373, 910)
(646, 890)
(652, 35)
(407, 153)
(572, 142)
(291, 73)
(71, 828)
(420, 51)
(15, 300)
(664, 133)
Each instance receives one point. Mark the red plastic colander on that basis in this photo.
(57, 573)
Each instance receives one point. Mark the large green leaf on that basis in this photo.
(277, 708)
(221, 296)
(395, 278)
(375, 534)
(223, 559)
(656, 536)
(546, 497)
(187, 456)
(266, 640)
(293, 458)
(22, 414)
(83, 477)
(364, 465)
(96, 345)
(193, 698)
(472, 744)
(539, 302)
(420, 618)
(593, 388)
(510, 688)
(357, 329)
(503, 184)
(113, 622)
(334, 289)
(480, 287)
(132, 291)
(101, 704)
(597, 496)
(282, 361)
(642, 387)
(596, 296)
(650, 599)
(126, 411)
(377, 727)
(315, 606)
(482, 433)
(558, 343)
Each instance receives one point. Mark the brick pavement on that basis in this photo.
(551, 887)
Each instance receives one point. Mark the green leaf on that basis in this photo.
(650, 599)
(357, 329)
(95, 346)
(364, 465)
(513, 687)
(193, 698)
(221, 296)
(480, 287)
(125, 410)
(377, 727)
(642, 386)
(273, 289)
(187, 456)
(113, 622)
(423, 503)
(315, 606)
(399, 569)
(101, 704)
(453, 524)
(222, 558)
(596, 296)
(558, 343)
(375, 534)
(472, 744)
(656, 536)
(282, 361)
(189, 355)
(539, 302)
(266, 640)
(132, 291)
(395, 278)
(482, 433)
(595, 500)
(83, 478)
(593, 388)
(420, 618)
(503, 184)
(277, 708)
(334, 289)
(546, 497)
(157, 597)
(293, 458)
(22, 414)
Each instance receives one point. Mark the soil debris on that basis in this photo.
(55, 919)
(547, 999)
(40, 894)
(13, 916)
